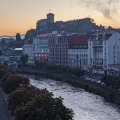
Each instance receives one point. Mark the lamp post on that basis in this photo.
(77, 59)
(80, 64)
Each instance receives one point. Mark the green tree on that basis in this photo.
(2, 73)
(13, 82)
(18, 37)
(22, 95)
(30, 34)
(44, 107)
(24, 58)
(0, 52)
(5, 63)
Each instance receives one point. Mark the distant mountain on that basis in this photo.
(14, 37)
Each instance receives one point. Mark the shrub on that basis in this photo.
(13, 82)
(24, 94)
(44, 107)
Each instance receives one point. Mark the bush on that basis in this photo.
(2, 72)
(14, 81)
(22, 95)
(5, 77)
(44, 107)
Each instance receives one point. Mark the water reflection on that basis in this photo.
(86, 106)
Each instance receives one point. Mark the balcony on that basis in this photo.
(98, 62)
(97, 44)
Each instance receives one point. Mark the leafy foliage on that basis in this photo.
(24, 58)
(60, 68)
(44, 107)
(24, 94)
(14, 81)
(0, 52)
(110, 80)
(18, 37)
(30, 34)
(2, 72)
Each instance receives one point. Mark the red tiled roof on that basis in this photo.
(78, 39)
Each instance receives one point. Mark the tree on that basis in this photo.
(0, 52)
(30, 34)
(24, 58)
(5, 63)
(2, 72)
(18, 37)
(44, 107)
(22, 95)
(13, 82)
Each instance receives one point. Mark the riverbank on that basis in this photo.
(4, 112)
(85, 105)
(109, 94)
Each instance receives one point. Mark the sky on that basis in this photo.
(18, 16)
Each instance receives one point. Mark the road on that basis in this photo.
(94, 75)
(4, 112)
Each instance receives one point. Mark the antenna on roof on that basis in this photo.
(50, 10)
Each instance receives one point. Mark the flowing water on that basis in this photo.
(86, 106)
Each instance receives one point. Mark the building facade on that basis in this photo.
(58, 48)
(104, 52)
(28, 49)
(78, 51)
(40, 46)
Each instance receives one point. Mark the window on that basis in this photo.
(114, 47)
(105, 43)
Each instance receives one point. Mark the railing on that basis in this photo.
(97, 44)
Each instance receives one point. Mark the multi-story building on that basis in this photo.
(104, 52)
(28, 49)
(58, 48)
(78, 51)
(40, 46)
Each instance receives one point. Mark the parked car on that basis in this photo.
(99, 81)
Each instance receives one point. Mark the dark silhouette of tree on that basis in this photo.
(24, 58)
(44, 107)
(13, 82)
(30, 34)
(5, 63)
(2, 72)
(0, 52)
(22, 95)
(18, 37)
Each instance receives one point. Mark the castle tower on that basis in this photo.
(50, 18)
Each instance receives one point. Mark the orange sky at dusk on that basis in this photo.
(18, 16)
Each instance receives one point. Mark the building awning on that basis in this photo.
(43, 57)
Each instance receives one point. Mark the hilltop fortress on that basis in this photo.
(75, 26)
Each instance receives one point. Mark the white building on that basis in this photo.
(104, 52)
(40, 43)
(28, 49)
(78, 51)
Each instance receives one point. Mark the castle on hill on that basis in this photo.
(75, 26)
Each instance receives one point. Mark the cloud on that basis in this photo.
(107, 7)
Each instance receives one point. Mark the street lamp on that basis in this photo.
(77, 59)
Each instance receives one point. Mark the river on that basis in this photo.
(86, 106)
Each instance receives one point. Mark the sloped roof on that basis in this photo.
(78, 40)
